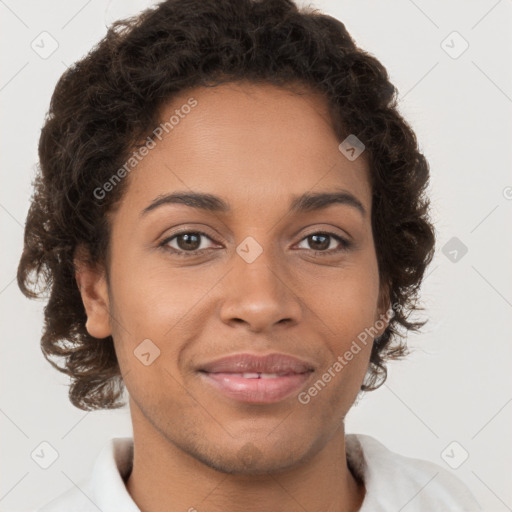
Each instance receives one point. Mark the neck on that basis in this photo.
(166, 478)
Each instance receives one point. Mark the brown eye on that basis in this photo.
(188, 243)
(321, 242)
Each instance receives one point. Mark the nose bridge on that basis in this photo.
(258, 292)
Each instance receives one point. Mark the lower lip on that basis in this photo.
(263, 391)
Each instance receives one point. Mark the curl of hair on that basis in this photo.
(106, 103)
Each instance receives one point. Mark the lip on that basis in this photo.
(248, 363)
(225, 376)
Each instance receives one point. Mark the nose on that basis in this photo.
(259, 295)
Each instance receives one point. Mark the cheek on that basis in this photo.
(155, 303)
(350, 314)
(348, 307)
(147, 293)
(347, 301)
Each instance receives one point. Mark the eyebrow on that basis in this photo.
(307, 202)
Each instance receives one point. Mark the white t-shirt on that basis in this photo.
(393, 482)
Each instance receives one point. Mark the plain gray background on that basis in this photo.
(452, 397)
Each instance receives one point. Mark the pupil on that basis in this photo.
(325, 244)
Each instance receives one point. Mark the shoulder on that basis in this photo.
(105, 489)
(394, 481)
(72, 499)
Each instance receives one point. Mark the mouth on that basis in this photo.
(256, 379)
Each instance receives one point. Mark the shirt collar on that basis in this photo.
(111, 469)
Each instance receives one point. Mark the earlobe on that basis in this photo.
(94, 291)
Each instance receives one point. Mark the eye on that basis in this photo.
(188, 243)
(321, 241)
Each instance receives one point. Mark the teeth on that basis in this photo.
(259, 375)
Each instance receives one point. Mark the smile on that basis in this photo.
(256, 387)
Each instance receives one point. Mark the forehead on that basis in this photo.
(248, 143)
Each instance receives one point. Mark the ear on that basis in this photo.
(384, 308)
(93, 288)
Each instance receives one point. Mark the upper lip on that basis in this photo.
(246, 363)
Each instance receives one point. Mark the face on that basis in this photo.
(257, 277)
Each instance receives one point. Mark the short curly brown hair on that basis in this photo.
(105, 104)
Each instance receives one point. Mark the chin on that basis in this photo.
(249, 461)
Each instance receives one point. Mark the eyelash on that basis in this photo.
(345, 244)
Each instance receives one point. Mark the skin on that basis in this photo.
(255, 146)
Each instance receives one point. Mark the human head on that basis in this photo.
(106, 106)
